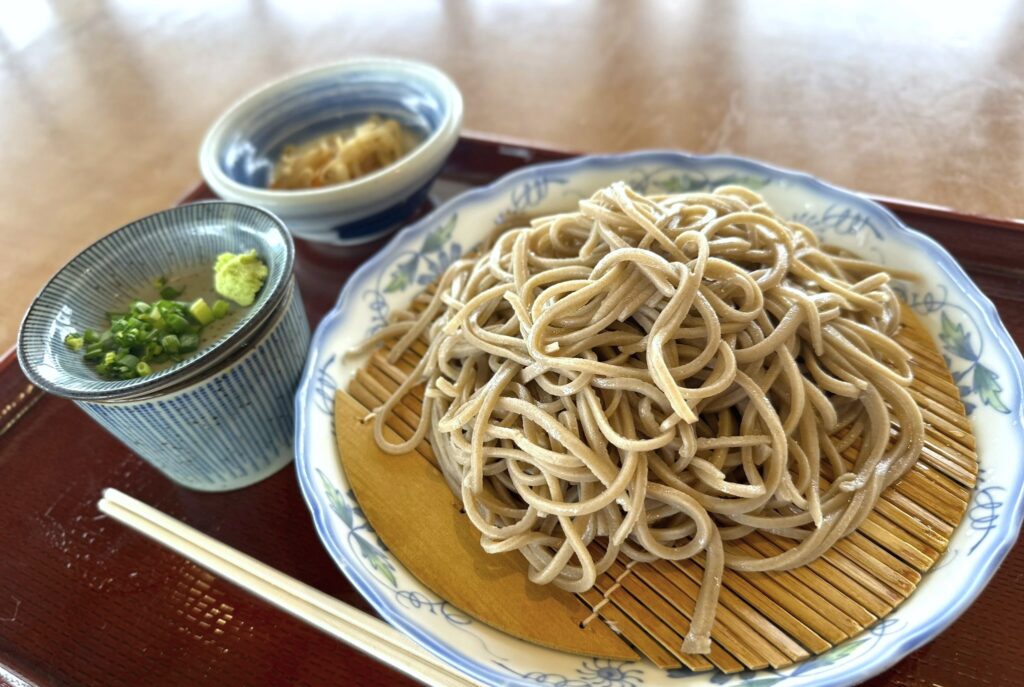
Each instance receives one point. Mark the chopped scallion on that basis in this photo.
(220, 308)
(176, 323)
(171, 343)
(201, 311)
(147, 333)
(189, 343)
(74, 341)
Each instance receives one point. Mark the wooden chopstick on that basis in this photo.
(322, 611)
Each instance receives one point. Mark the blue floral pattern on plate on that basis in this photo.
(417, 268)
(959, 330)
(374, 558)
(987, 366)
(671, 180)
(984, 511)
(593, 672)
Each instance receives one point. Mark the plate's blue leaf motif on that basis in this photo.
(356, 509)
(401, 277)
(336, 500)
(377, 560)
(594, 672)
(955, 339)
(325, 387)
(437, 239)
(436, 253)
(986, 385)
(372, 553)
(669, 180)
(437, 264)
(956, 326)
(688, 183)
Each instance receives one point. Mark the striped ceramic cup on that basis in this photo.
(218, 420)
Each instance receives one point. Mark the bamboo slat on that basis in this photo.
(775, 619)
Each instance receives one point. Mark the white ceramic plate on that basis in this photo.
(980, 353)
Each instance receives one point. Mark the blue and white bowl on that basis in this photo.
(990, 369)
(239, 151)
(219, 419)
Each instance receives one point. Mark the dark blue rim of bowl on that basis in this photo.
(377, 225)
(186, 371)
(447, 87)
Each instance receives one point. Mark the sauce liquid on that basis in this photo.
(195, 284)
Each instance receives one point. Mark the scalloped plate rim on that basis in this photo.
(884, 655)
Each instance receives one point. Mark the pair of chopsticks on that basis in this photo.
(357, 629)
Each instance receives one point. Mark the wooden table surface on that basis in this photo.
(105, 103)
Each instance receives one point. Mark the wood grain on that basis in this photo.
(60, 626)
(105, 103)
(414, 513)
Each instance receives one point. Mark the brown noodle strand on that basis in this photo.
(658, 377)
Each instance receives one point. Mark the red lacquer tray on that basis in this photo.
(83, 601)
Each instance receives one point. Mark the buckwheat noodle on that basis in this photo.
(660, 376)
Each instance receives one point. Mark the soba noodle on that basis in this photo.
(659, 376)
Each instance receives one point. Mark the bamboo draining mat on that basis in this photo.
(775, 619)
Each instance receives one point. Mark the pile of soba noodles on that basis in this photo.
(656, 377)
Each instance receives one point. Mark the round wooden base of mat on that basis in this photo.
(771, 619)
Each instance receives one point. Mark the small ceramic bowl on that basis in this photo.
(239, 151)
(219, 419)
